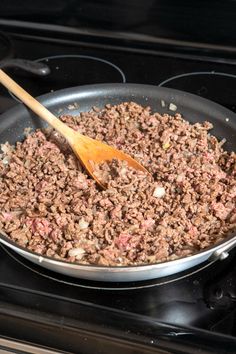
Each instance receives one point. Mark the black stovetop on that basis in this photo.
(79, 64)
(193, 310)
(198, 299)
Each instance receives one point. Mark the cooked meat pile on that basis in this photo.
(50, 205)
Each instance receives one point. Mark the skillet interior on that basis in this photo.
(193, 109)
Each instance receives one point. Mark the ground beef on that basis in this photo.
(51, 206)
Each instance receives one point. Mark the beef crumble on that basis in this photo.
(52, 207)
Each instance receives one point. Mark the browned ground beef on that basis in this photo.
(49, 204)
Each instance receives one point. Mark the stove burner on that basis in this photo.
(89, 284)
(216, 86)
(69, 71)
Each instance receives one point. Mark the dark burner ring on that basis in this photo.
(70, 71)
(216, 86)
(85, 57)
(196, 73)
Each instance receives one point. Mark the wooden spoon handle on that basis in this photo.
(36, 107)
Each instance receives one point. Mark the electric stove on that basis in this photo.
(193, 311)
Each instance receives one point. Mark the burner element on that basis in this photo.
(216, 86)
(71, 70)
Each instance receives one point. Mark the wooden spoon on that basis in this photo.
(85, 148)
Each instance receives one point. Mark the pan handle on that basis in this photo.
(33, 67)
(223, 252)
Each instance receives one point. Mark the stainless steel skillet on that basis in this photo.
(193, 108)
